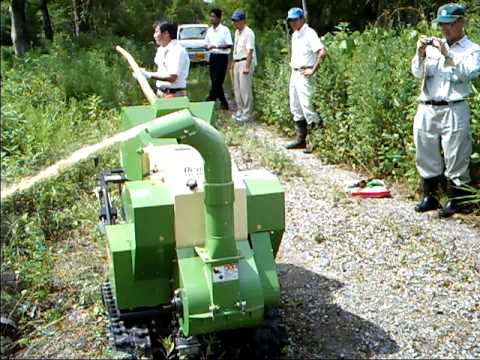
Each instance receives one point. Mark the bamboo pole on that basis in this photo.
(144, 85)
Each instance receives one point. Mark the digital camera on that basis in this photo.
(428, 41)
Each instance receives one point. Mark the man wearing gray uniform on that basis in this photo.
(442, 123)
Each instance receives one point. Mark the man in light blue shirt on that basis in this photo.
(447, 67)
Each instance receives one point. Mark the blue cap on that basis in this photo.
(238, 15)
(449, 13)
(295, 13)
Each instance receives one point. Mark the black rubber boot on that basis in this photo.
(453, 204)
(310, 128)
(429, 201)
(300, 142)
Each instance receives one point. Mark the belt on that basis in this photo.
(303, 68)
(171, 90)
(238, 60)
(441, 103)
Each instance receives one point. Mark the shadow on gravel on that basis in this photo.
(319, 328)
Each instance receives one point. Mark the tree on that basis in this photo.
(81, 16)
(186, 11)
(47, 24)
(18, 31)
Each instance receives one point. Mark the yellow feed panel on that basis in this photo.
(177, 165)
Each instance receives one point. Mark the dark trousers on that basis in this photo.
(218, 70)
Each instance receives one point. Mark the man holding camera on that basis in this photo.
(447, 67)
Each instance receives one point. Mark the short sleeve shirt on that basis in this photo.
(244, 42)
(219, 36)
(172, 60)
(305, 45)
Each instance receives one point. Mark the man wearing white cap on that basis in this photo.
(244, 61)
(447, 67)
(307, 54)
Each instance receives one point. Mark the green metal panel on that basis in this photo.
(153, 218)
(276, 238)
(267, 270)
(129, 292)
(209, 306)
(204, 111)
(168, 105)
(265, 205)
(135, 115)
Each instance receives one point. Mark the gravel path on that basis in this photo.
(370, 278)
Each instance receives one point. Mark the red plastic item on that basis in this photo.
(373, 192)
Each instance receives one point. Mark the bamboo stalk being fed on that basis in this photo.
(144, 85)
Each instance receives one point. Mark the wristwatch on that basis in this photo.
(449, 58)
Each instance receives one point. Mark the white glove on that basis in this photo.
(145, 73)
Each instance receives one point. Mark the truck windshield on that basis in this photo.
(190, 33)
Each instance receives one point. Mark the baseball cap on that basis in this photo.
(295, 13)
(449, 13)
(238, 15)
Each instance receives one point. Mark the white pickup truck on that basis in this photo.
(192, 38)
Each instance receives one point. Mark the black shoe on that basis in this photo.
(450, 208)
(302, 131)
(297, 144)
(428, 203)
(224, 106)
(454, 203)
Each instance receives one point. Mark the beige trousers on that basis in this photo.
(443, 141)
(242, 87)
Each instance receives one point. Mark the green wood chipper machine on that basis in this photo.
(192, 244)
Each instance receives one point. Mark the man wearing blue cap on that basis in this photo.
(307, 54)
(244, 61)
(447, 67)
